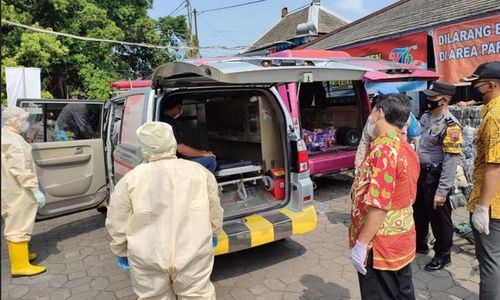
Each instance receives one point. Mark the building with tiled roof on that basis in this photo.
(404, 17)
(297, 27)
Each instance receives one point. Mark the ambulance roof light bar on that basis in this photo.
(130, 84)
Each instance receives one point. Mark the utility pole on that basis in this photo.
(197, 51)
(190, 27)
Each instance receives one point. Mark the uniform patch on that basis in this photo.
(452, 142)
(455, 134)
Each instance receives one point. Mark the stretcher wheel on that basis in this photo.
(268, 183)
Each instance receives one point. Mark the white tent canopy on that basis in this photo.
(22, 83)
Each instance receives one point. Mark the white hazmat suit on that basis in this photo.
(20, 192)
(162, 215)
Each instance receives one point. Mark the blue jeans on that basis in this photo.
(208, 162)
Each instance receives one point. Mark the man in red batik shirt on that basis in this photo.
(382, 231)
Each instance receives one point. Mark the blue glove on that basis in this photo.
(39, 197)
(122, 262)
(414, 127)
(60, 135)
(215, 241)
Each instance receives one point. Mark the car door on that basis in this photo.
(131, 112)
(66, 138)
(252, 71)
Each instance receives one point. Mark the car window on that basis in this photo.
(132, 119)
(57, 122)
(339, 92)
(116, 123)
(326, 93)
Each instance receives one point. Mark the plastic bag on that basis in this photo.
(319, 140)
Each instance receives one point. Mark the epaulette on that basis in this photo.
(425, 114)
(450, 121)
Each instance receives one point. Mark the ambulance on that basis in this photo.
(233, 106)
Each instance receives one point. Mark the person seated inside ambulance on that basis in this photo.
(170, 111)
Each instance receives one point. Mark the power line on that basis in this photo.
(220, 32)
(233, 31)
(178, 8)
(91, 39)
(231, 6)
(184, 35)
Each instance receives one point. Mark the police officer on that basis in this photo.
(439, 152)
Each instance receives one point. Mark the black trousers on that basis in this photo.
(439, 218)
(386, 285)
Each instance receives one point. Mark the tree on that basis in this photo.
(85, 69)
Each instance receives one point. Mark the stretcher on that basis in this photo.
(245, 174)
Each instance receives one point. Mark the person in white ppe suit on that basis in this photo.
(162, 217)
(21, 196)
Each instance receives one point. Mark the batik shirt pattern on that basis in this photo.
(387, 179)
(488, 151)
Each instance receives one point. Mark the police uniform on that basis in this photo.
(439, 152)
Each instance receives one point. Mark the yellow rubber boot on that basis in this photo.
(19, 260)
(32, 256)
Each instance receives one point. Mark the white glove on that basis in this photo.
(39, 196)
(481, 219)
(358, 257)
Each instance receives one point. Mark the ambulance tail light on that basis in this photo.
(302, 157)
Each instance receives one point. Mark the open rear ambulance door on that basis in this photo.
(68, 150)
(252, 71)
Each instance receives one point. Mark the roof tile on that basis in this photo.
(405, 16)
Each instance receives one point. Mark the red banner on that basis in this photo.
(460, 48)
(409, 49)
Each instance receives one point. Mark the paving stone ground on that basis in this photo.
(75, 250)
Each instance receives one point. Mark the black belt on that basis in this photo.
(431, 167)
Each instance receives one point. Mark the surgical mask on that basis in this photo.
(370, 127)
(475, 94)
(25, 127)
(432, 105)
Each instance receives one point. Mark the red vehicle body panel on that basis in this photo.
(339, 161)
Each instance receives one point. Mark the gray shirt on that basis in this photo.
(363, 146)
(440, 143)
